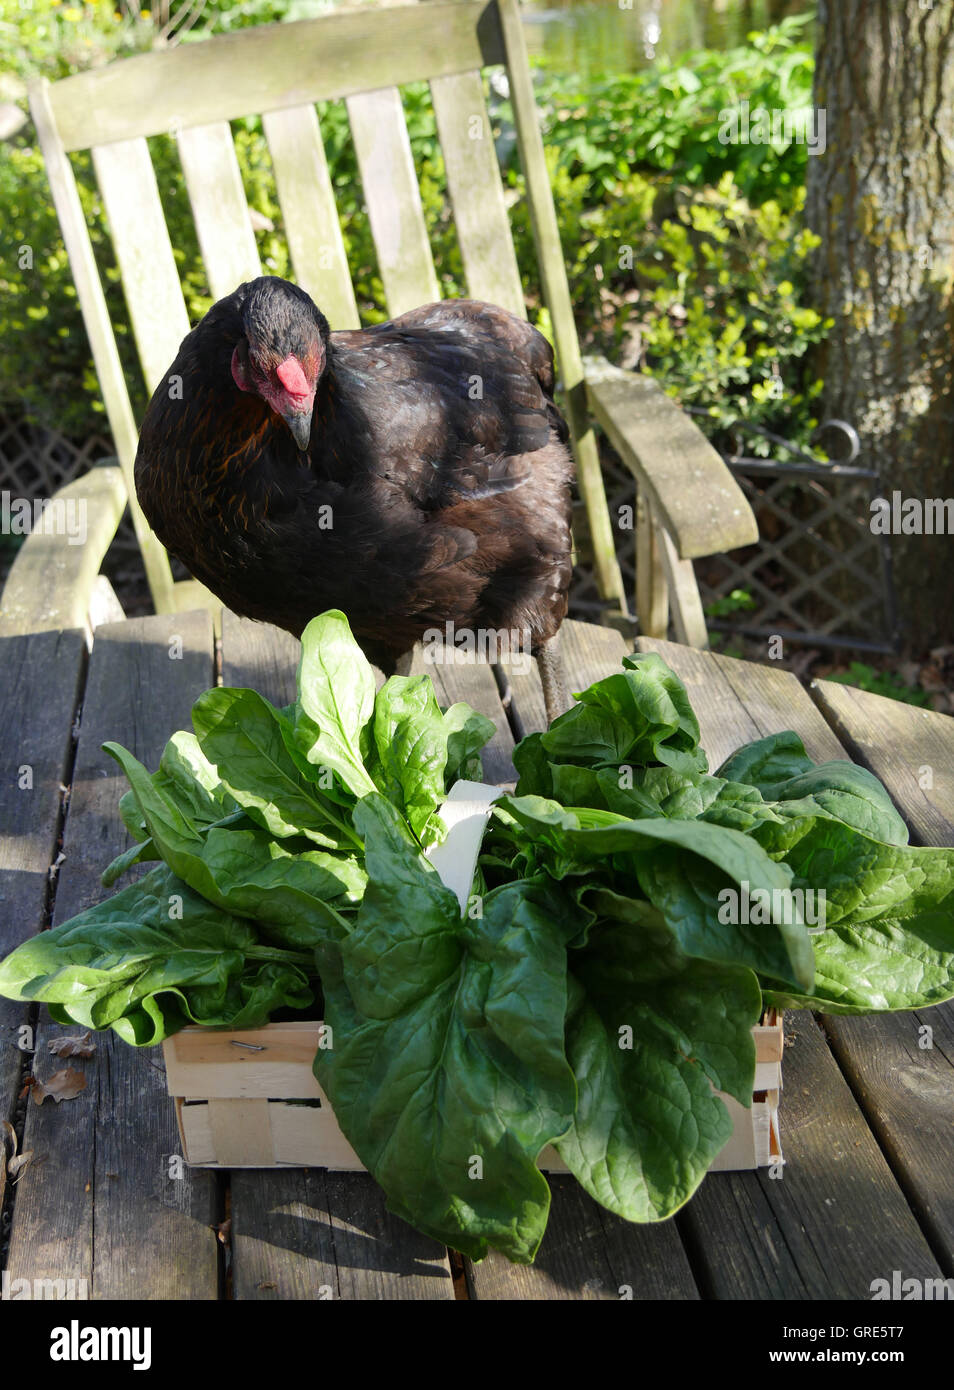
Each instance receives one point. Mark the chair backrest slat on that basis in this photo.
(556, 293)
(476, 191)
(137, 226)
(89, 288)
(273, 66)
(311, 217)
(546, 233)
(393, 199)
(102, 341)
(219, 206)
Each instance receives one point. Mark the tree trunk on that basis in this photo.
(881, 197)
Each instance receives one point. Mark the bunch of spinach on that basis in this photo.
(595, 994)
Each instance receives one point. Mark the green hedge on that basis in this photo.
(685, 255)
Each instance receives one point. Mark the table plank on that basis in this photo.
(905, 1087)
(308, 1233)
(759, 1238)
(42, 686)
(588, 1253)
(99, 1201)
(259, 656)
(475, 686)
(906, 1091)
(911, 750)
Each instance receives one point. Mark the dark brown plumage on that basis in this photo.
(432, 488)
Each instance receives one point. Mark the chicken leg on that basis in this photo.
(404, 664)
(556, 699)
(549, 659)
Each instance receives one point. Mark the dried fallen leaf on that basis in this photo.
(268, 1284)
(16, 1164)
(224, 1231)
(80, 1045)
(8, 1140)
(9, 1163)
(62, 1085)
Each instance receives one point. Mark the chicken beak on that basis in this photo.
(299, 422)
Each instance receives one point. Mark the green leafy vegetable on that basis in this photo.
(681, 867)
(247, 736)
(648, 1030)
(153, 958)
(335, 702)
(639, 715)
(448, 1071)
(415, 740)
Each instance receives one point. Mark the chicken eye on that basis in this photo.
(241, 367)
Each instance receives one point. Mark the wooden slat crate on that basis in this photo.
(250, 1100)
(755, 1135)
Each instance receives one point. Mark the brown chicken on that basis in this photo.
(413, 474)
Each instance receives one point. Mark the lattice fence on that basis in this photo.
(818, 574)
(34, 462)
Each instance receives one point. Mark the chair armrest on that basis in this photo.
(692, 492)
(53, 577)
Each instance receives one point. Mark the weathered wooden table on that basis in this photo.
(867, 1114)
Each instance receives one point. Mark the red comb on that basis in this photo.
(292, 377)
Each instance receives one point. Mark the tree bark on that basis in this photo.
(881, 197)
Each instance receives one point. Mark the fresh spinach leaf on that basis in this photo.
(780, 769)
(650, 1032)
(640, 715)
(153, 958)
(682, 867)
(448, 1071)
(242, 871)
(335, 701)
(878, 965)
(243, 734)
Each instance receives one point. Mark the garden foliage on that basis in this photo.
(685, 255)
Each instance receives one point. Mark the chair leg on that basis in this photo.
(556, 699)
